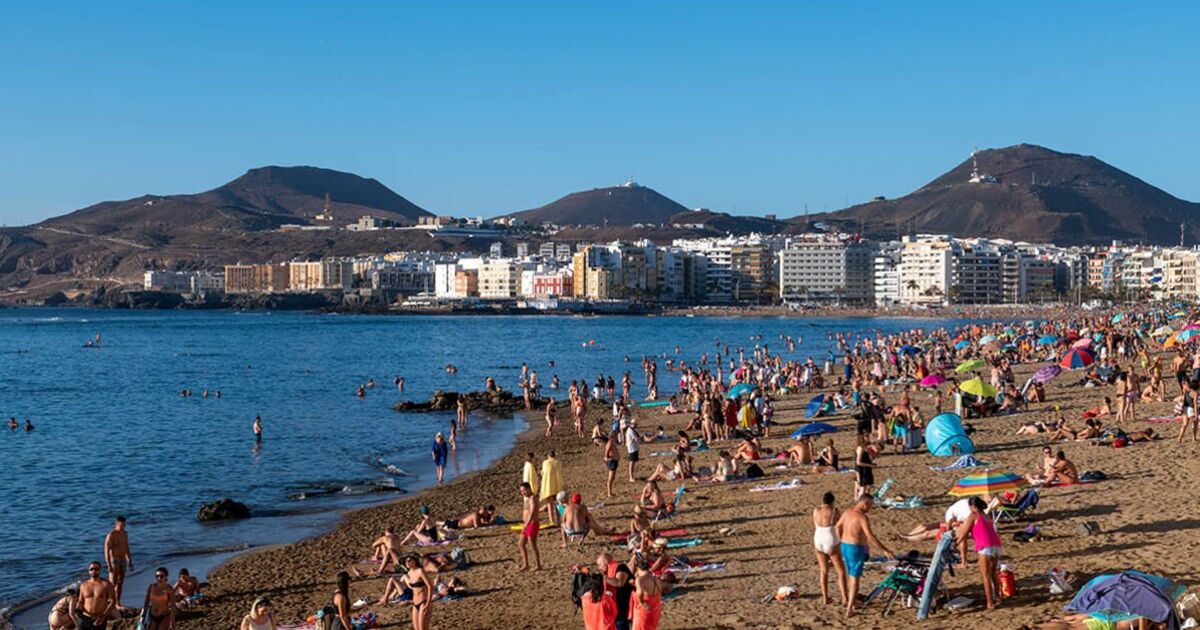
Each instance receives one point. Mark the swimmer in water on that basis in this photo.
(258, 429)
(28, 425)
(12, 424)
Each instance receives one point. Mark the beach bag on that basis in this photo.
(1093, 475)
(754, 471)
(325, 618)
(580, 585)
(1120, 442)
(459, 556)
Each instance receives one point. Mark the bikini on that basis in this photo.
(414, 587)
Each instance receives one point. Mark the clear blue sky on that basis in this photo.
(484, 108)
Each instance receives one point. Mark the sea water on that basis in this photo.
(114, 436)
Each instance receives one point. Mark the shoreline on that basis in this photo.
(31, 613)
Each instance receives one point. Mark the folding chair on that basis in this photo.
(672, 506)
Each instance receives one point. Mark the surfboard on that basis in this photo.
(654, 403)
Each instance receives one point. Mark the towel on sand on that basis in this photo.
(966, 461)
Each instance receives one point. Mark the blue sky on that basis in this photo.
(482, 108)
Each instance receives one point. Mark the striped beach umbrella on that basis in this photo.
(988, 482)
(1047, 373)
(1078, 358)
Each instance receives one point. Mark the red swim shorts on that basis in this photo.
(531, 529)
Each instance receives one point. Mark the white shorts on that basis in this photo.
(991, 552)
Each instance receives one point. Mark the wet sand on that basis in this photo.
(1146, 513)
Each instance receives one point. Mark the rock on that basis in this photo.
(222, 510)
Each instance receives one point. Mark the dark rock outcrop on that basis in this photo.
(222, 510)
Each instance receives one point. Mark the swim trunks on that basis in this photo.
(117, 563)
(854, 556)
(610, 464)
(90, 623)
(531, 530)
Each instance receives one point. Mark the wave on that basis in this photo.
(353, 488)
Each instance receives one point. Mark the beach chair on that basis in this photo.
(1025, 504)
(672, 506)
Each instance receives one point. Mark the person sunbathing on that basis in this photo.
(827, 459)
(482, 517)
(640, 526)
(1093, 430)
(1101, 411)
(425, 532)
(1065, 471)
(1063, 431)
(1033, 427)
(449, 588)
(748, 450)
(1145, 435)
(680, 469)
(802, 452)
(652, 498)
(577, 520)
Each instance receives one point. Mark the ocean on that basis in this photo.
(114, 436)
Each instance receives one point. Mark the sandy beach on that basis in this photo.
(1144, 510)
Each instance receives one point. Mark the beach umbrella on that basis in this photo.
(933, 380)
(909, 350)
(1048, 340)
(1047, 374)
(1191, 327)
(1162, 330)
(1128, 595)
(962, 344)
(1086, 342)
(1076, 359)
(1186, 335)
(813, 428)
(1010, 331)
(988, 482)
(977, 387)
(1118, 317)
(814, 406)
(973, 364)
(986, 339)
(1085, 330)
(1023, 337)
(738, 390)
(1176, 315)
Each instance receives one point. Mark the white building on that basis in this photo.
(924, 272)
(499, 279)
(825, 268)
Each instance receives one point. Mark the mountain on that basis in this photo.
(113, 242)
(262, 199)
(1029, 193)
(724, 223)
(616, 206)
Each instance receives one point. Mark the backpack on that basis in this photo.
(580, 585)
(753, 471)
(459, 556)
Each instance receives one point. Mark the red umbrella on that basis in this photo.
(1076, 359)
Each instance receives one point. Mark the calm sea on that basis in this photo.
(114, 436)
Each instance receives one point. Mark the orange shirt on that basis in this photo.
(602, 615)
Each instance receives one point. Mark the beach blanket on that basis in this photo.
(966, 461)
(782, 485)
(680, 543)
(1158, 419)
(843, 469)
(299, 626)
(699, 567)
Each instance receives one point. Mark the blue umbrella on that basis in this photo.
(910, 350)
(814, 406)
(1048, 340)
(811, 429)
(738, 390)
(962, 344)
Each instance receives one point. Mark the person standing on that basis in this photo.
(864, 468)
(826, 547)
(258, 429)
(462, 412)
(118, 556)
(529, 473)
(987, 548)
(530, 529)
(854, 532)
(160, 602)
(646, 606)
(551, 416)
(97, 600)
(341, 600)
(618, 580)
(440, 452)
(633, 442)
(612, 458)
(552, 484)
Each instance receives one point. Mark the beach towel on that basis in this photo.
(782, 485)
(903, 504)
(299, 626)
(665, 533)
(680, 543)
(1158, 419)
(966, 461)
(699, 568)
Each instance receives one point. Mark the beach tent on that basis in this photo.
(738, 390)
(813, 408)
(944, 436)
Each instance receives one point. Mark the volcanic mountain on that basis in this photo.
(623, 205)
(1029, 193)
(114, 241)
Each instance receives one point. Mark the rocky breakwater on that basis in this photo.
(496, 402)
